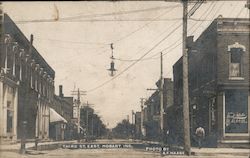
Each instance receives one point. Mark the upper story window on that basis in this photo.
(235, 61)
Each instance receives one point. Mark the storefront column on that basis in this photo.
(249, 115)
(1, 108)
(4, 121)
(220, 116)
(46, 122)
(40, 120)
(37, 120)
(15, 104)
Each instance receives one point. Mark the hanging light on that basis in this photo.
(112, 64)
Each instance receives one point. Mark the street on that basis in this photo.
(112, 152)
(102, 153)
(127, 79)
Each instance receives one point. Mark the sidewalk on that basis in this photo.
(220, 151)
(30, 145)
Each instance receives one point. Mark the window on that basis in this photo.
(31, 79)
(235, 61)
(36, 81)
(236, 111)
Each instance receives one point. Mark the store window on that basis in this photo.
(236, 111)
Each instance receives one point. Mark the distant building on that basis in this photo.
(152, 116)
(218, 82)
(61, 110)
(26, 86)
(138, 125)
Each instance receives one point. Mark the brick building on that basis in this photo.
(218, 82)
(152, 116)
(61, 110)
(26, 85)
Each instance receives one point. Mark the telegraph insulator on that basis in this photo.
(112, 64)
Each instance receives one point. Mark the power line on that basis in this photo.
(70, 19)
(119, 13)
(75, 42)
(130, 60)
(135, 61)
(198, 26)
(106, 82)
(124, 37)
(143, 26)
(152, 57)
(240, 12)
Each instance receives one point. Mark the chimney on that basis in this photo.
(190, 42)
(60, 91)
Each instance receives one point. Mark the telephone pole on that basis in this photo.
(26, 101)
(248, 4)
(132, 119)
(186, 130)
(142, 116)
(161, 96)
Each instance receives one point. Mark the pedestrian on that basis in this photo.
(36, 142)
(200, 133)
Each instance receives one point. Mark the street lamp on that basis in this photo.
(22, 150)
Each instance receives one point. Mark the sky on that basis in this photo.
(75, 37)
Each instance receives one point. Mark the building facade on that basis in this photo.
(26, 86)
(62, 107)
(152, 109)
(218, 82)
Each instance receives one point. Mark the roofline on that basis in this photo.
(27, 41)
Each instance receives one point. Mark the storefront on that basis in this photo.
(57, 125)
(234, 126)
(8, 108)
(235, 113)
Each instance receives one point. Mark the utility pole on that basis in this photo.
(92, 125)
(132, 119)
(186, 130)
(78, 93)
(142, 116)
(161, 96)
(248, 4)
(26, 83)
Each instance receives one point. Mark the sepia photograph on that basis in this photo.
(125, 79)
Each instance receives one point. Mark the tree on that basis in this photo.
(92, 123)
(123, 130)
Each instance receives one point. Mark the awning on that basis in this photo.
(55, 117)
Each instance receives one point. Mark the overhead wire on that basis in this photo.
(90, 90)
(118, 40)
(240, 12)
(152, 57)
(74, 42)
(143, 26)
(104, 83)
(71, 19)
(131, 33)
(161, 33)
(119, 13)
